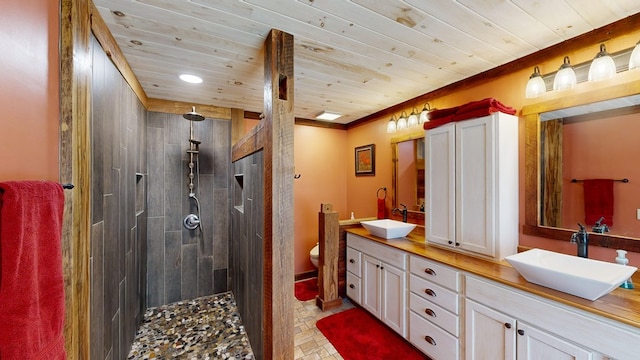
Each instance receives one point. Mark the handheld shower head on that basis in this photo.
(193, 115)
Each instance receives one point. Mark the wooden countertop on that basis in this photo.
(622, 305)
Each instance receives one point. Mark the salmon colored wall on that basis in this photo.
(29, 90)
(508, 89)
(321, 162)
(602, 149)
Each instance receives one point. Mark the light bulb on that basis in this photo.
(535, 85)
(565, 77)
(602, 67)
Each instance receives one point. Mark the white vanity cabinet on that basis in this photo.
(383, 281)
(503, 323)
(434, 317)
(471, 185)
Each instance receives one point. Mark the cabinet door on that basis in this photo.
(371, 285)
(440, 185)
(534, 344)
(474, 185)
(489, 334)
(394, 285)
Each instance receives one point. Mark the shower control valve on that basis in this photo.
(191, 222)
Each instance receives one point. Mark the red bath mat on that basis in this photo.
(357, 335)
(306, 289)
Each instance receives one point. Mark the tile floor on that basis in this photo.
(210, 328)
(309, 342)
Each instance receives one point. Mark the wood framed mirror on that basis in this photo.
(623, 85)
(407, 173)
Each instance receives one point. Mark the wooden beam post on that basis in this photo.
(75, 167)
(278, 197)
(328, 236)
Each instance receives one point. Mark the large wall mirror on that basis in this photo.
(407, 183)
(579, 146)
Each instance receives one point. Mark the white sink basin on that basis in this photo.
(586, 278)
(387, 228)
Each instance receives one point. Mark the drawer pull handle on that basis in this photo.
(352, 261)
(507, 325)
(430, 312)
(430, 292)
(378, 265)
(521, 332)
(352, 286)
(430, 340)
(430, 271)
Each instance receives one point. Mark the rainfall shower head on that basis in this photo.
(193, 115)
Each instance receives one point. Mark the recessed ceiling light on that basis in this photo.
(326, 115)
(191, 78)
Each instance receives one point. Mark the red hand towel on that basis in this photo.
(31, 282)
(381, 209)
(598, 201)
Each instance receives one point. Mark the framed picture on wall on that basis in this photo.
(365, 160)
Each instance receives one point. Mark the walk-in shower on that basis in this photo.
(192, 221)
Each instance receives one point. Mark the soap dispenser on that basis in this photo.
(622, 260)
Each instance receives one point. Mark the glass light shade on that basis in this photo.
(391, 126)
(424, 114)
(413, 119)
(535, 85)
(402, 122)
(602, 67)
(634, 60)
(565, 77)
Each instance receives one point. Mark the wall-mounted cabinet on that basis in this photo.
(471, 185)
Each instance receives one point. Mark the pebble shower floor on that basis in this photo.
(204, 328)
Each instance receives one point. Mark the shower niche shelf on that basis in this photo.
(139, 193)
(238, 192)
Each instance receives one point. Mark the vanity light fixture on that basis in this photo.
(402, 122)
(602, 67)
(327, 115)
(535, 85)
(413, 118)
(192, 79)
(634, 60)
(565, 77)
(391, 125)
(424, 114)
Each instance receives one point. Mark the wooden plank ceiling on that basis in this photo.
(352, 57)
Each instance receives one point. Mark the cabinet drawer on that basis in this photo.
(435, 272)
(354, 284)
(435, 293)
(435, 314)
(382, 252)
(353, 261)
(432, 340)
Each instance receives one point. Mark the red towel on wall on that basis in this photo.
(31, 282)
(381, 209)
(598, 201)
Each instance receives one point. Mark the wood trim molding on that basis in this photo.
(179, 108)
(75, 167)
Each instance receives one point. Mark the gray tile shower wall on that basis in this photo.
(118, 218)
(184, 264)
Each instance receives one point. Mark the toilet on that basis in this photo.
(314, 255)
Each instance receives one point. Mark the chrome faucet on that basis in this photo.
(582, 239)
(403, 212)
